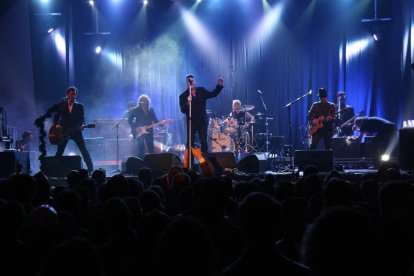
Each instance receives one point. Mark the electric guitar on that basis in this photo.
(139, 131)
(319, 122)
(58, 135)
(350, 120)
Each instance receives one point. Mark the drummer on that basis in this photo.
(240, 113)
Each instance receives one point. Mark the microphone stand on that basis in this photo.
(117, 145)
(189, 129)
(290, 122)
(266, 123)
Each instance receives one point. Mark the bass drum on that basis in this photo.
(221, 143)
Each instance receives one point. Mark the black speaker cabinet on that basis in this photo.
(133, 164)
(406, 148)
(253, 163)
(342, 148)
(9, 160)
(322, 159)
(226, 160)
(53, 166)
(160, 163)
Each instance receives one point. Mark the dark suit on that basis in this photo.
(72, 121)
(199, 121)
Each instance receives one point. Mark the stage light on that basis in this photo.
(50, 30)
(44, 1)
(199, 1)
(60, 44)
(98, 49)
(199, 33)
(385, 157)
(91, 2)
(145, 2)
(268, 23)
(354, 48)
(408, 124)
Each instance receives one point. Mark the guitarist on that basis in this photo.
(321, 116)
(345, 113)
(70, 116)
(141, 116)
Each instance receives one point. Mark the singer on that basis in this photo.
(197, 97)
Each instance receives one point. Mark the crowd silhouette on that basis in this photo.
(186, 223)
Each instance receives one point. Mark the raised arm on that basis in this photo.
(216, 90)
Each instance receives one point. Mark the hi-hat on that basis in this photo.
(247, 107)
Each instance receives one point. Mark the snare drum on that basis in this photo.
(221, 143)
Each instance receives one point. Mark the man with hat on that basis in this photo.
(346, 114)
(321, 117)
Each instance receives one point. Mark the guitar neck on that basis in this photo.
(154, 125)
(350, 120)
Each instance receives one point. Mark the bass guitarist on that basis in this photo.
(141, 116)
(346, 114)
(69, 118)
(321, 117)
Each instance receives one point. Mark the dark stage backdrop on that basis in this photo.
(149, 50)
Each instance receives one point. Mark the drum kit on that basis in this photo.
(228, 134)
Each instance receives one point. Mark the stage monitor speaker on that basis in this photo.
(253, 163)
(60, 166)
(133, 164)
(9, 160)
(322, 159)
(160, 163)
(221, 161)
(406, 148)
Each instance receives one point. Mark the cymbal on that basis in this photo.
(247, 107)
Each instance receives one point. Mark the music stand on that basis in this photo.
(117, 146)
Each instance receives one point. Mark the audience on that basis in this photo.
(190, 223)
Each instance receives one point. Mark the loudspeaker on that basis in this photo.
(406, 150)
(133, 164)
(253, 163)
(60, 166)
(9, 160)
(221, 160)
(160, 163)
(322, 159)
